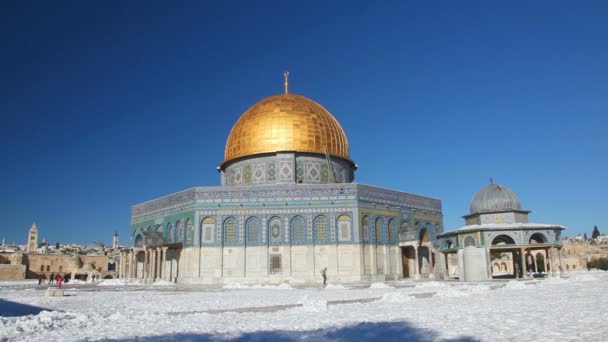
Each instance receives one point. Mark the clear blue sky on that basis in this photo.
(108, 104)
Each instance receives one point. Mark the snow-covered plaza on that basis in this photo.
(554, 309)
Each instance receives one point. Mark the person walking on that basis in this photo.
(59, 279)
(324, 275)
(51, 278)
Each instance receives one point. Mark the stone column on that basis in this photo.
(156, 263)
(146, 264)
(131, 264)
(164, 265)
(561, 265)
(416, 266)
(551, 261)
(522, 252)
(431, 260)
(152, 264)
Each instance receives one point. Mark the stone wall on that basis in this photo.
(12, 272)
(45, 264)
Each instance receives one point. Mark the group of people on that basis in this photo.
(52, 278)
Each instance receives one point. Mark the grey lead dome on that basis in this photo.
(494, 197)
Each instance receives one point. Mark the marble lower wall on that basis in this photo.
(293, 264)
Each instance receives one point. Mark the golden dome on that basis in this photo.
(286, 122)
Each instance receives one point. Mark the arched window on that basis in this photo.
(391, 231)
(189, 231)
(448, 244)
(469, 241)
(139, 241)
(170, 232)
(404, 226)
(252, 231)
(365, 228)
(207, 230)
(180, 231)
(274, 230)
(321, 234)
(230, 230)
(159, 229)
(298, 230)
(344, 228)
(378, 230)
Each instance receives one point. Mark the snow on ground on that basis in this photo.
(554, 309)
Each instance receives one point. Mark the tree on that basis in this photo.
(601, 263)
(595, 233)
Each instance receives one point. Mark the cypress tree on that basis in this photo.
(595, 233)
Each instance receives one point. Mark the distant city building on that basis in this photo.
(577, 252)
(32, 239)
(73, 261)
(115, 241)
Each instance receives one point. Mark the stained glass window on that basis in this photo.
(365, 228)
(230, 230)
(298, 229)
(321, 229)
(378, 230)
(253, 230)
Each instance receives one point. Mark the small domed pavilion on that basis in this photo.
(498, 241)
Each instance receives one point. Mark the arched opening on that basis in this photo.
(469, 241)
(537, 238)
(503, 240)
(139, 264)
(425, 258)
(540, 263)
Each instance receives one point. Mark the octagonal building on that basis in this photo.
(287, 208)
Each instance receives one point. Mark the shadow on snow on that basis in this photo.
(12, 309)
(382, 331)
